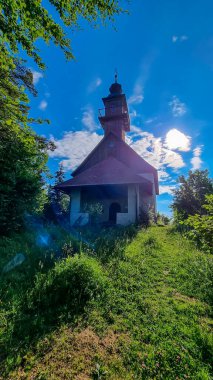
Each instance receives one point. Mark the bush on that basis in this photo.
(162, 219)
(146, 217)
(189, 197)
(199, 228)
(71, 284)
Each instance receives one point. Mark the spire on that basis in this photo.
(116, 75)
(115, 116)
(115, 88)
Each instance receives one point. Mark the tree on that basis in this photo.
(58, 203)
(23, 23)
(63, 200)
(23, 154)
(189, 197)
(199, 228)
(23, 157)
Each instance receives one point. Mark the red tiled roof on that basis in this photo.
(107, 172)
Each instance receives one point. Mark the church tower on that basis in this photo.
(114, 118)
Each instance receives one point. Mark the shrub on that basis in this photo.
(146, 217)
(199, 228)
(71, 284)
(162, 219)
(189, 197)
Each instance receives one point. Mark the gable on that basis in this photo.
(99, 175)
(111, 145)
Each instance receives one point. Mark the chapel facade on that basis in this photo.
(113, 174)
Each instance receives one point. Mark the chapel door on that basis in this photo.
(113, 209)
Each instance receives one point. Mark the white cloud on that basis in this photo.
(174, 38)
(137, 96)
(154, 150)
(74, 147)
(150, 120)
(133, 113)
(94, 84)
(177, 140)
(43, 105)
(177, 107)
(36, 76)
(163, 189)
(88, 119)
(163, 175)
(181, 38)
(196, 160)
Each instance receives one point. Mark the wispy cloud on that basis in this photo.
(151, 120)
(37, 75)
(181, 38)
(154, 150)
(88, 119)
(163, 176)
(94, 84)
(43, 105)
(177, 140)
(163, 189)
(196, 160)
(133, 113)
(74, 147)
(138, 89)
(178, 108)
(137, 96)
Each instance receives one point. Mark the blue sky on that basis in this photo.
(163, 51)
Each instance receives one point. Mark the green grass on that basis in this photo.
(149, 319)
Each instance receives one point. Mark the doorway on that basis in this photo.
(113, 209)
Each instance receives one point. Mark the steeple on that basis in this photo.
(115, 116)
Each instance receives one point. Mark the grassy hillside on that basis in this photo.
(137, 308)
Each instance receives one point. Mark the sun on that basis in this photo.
(177, 140)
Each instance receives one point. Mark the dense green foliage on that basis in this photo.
(189, 197)
(23, 23)
(192, 206)
(23, 154)
(70, 285)
(199, 228)
(144, 313)
(23, 157)
(162, 219)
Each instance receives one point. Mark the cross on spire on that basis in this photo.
(116, 75)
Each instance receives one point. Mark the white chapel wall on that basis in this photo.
(75, 214)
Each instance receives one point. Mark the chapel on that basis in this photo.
(113, 175)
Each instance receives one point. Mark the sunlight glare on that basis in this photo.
(177, 140)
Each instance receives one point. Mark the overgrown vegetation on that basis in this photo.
(193, 208)
(199, 228)
(189, 196)
(139, 306)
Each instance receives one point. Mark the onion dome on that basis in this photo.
(115, 89)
